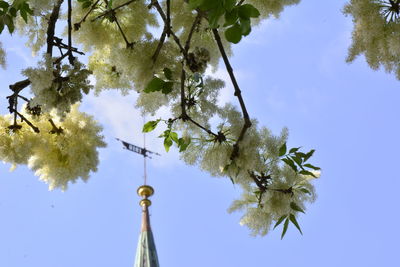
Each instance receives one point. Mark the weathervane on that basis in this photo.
(140, 150)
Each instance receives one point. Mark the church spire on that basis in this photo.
(146, 253)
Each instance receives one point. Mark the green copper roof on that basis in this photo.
(146, 253)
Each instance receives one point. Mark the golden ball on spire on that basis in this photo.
(145, 191)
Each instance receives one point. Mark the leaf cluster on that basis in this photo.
(157, 84)
(290, 218)
(170, 137)
(237, 16)
(9, 12)
(297, 160)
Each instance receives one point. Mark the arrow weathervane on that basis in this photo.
(139, 150)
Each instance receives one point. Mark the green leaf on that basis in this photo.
(167, 73)
(1, 26)
(297, 158)
(246, 26)
(282, 150)
(304, 172)
(24, 15)
(9, 22)
(229, 5)
(248, 11)
(4, 5)
(231, 17)
(213, 17)
(309, 155)
(280, 221)
(174, 137)
(167, 87)
(234, 34)
(285, 227)
(308, 165)
(150, 126)
(211, 5)
(304, 190)
(86, 4)
(156, 84)
(294, 221)
(290, 162)
(167, 143)
(13, 11)
(296, 207)
(193, 4)
(293, 150)
(182, 144)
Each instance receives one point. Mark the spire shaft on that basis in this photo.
(146, 253)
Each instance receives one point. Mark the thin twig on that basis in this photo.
(113, 10)
(192, 29)
(238, 94)
(78, 25)
(160, 45)
(35, 129)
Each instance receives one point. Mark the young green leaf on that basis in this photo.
(156, 84)
(309, 155)
(285, 227)
(9, 22)
(248, 11)
(229, 5)
(311, 167)
(297, 158)
(304, 190)
(213, 17)
(246, 26)
(231, 17)
(193, 4)
(293, 150)
(174, 137)
(282, 150)
(234, 34)
(150, 126)
(167, 73)
(182, 144)
(280, 221)
(4, 5)
(167, 87)
(290, 162)
(296, 207)
(294, 221)
(167, 143)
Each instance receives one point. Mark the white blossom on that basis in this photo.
(374, 36)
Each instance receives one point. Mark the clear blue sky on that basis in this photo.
(293, 73)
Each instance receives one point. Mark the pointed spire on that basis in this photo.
(146, 253)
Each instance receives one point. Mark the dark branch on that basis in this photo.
(52, 26)
(238, 94)
(71, 58)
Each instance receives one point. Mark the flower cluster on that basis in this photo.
(374, 35)
(58, 156)
(2, 57)
(57, 87)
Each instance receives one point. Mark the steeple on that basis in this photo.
(146, 253)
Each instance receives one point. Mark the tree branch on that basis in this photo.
(238, 94)
(52, 26)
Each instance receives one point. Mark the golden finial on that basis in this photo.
(145, 191)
